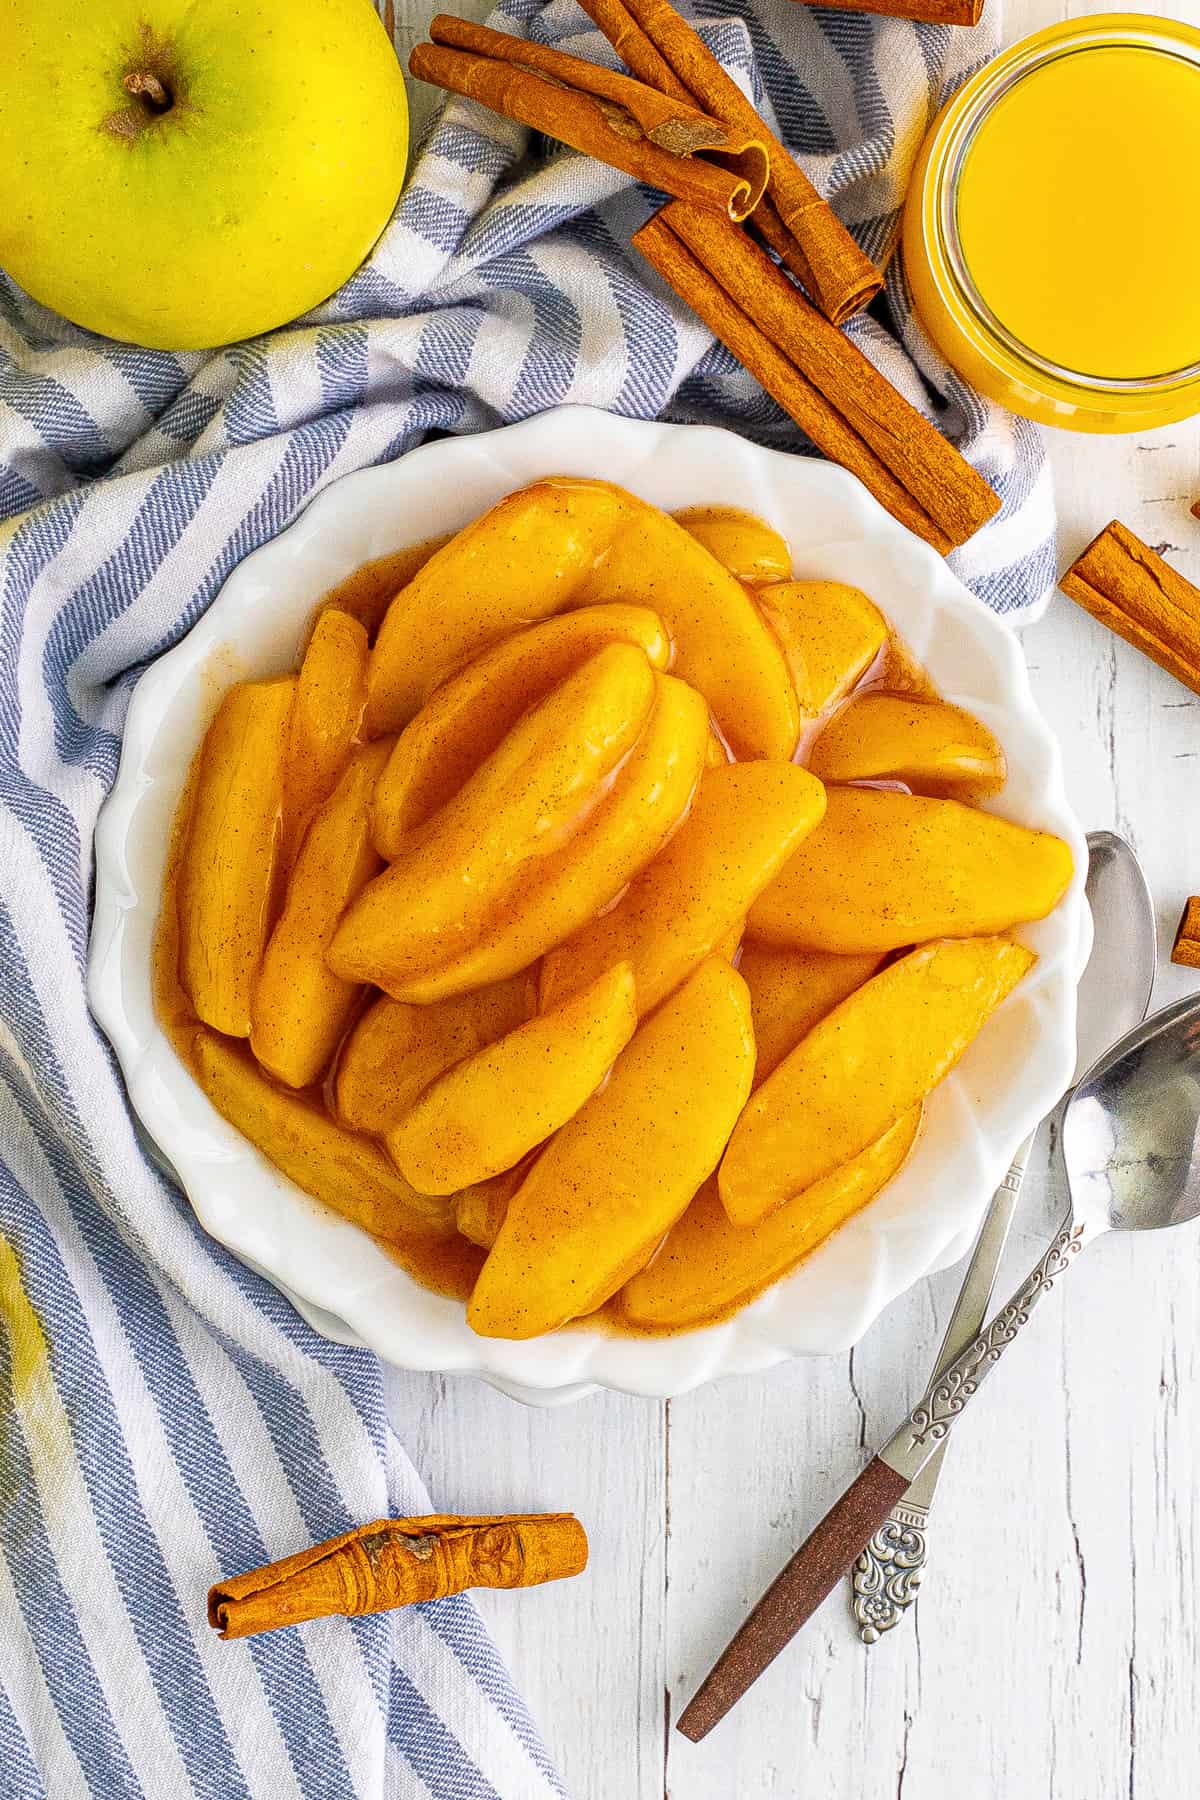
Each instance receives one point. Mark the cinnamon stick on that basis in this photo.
(634, 47)
(925, 12)
(853, 415)
(674, 124)
(819, 420)
(801, 226)
(1186, 948)
(667, 142)
(768, 222)
(397, 1562)
(1128, 587)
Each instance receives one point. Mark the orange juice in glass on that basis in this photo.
(1050, 233)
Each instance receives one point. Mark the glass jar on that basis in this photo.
(1022, 122)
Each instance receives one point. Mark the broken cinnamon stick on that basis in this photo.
(1128, 587)
(397, 1562)
(651, 136)
(674, 124)
(800, 226)
(1186, 948)
(853, 415)
(925, 12)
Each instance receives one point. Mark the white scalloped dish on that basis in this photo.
(337, 1276)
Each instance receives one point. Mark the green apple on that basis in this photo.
(183, 173)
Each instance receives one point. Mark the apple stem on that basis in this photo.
(150, 89)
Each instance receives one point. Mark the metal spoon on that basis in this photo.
(1131, 1146)
(1114, 992)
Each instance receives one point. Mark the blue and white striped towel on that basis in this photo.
(164, 1415)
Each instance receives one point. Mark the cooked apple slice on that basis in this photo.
(229, 867)
(519, 809)
(469, 716)
(395, 1051)
(752, 550)
(790, 990)
(370, 590)
(521, 561)
(331, 691)
(832, 634)
(746, 819)
(618, 1175)
(480, 1210)
(482, 1116)
(300, 1007)
(862, 1067)
(709, 1267)
(648, 799)
(932, 747)
(563, 543)
(348, 1173)
(723, 646)
(886, 869)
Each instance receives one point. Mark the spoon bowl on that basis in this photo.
(1131, 1135)
(1115, 988)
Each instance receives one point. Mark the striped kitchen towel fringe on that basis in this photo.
(165, 1416)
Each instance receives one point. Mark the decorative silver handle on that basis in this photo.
(930, 1421)
(886, 1577)
(832, 1546)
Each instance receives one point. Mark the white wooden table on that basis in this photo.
(1055, 1649)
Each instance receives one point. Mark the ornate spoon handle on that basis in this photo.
(828, 1551)
(886, 1577)
(928, 1424)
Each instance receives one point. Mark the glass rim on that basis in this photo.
(1150, 34)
